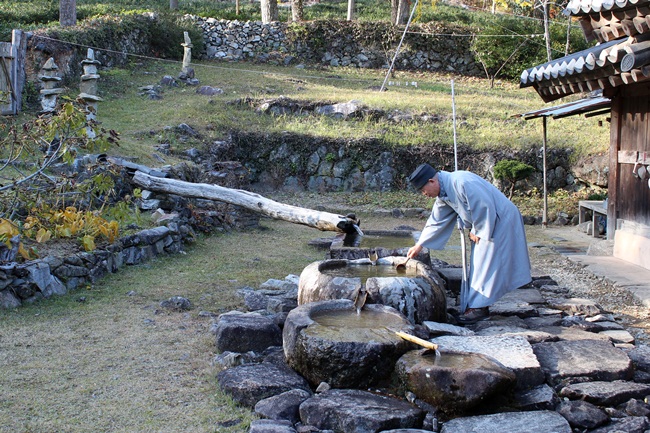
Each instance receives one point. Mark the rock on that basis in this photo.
(177, 303)
(605, 393)
(636, 407)
(619, 336)
(539, 398)
(8, 300)
(454, 381)
(580, 360)
(582, 414)
(573, 334)
(632, 424)
(248, 384)
(513, 352)
(271, 426)
(283, 406)
(243, 332)
(542, 322)
(48, 284)
(438, 329)
(640, 356)
(513, 422)
(576, 306)
(530, 335)
(349, 410)
(209, 91)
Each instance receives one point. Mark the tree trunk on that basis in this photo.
(320, 220)
(67, 13)
(296, 10)
(402, 12)
(351, 7)
(173, 4)
(269, 11)
(394, 5)
(547, 31)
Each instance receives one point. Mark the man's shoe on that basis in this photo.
(473, 315)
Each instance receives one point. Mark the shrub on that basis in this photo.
(512, 171)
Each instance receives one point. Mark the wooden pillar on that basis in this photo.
(545, 213)
(614, 169)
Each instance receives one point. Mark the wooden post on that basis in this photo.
(545, 213)
(254, 202)
(19, 41)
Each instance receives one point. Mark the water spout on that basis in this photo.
(356, 227)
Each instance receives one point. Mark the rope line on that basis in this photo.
(264, 72)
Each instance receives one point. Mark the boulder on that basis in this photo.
(249, 383)
(348, 410)
(243, 332)
(283, 406)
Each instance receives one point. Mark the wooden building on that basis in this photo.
(619, 66)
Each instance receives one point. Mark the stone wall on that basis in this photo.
(177, 220)
(307, 163)
(42, 278)
(337, 43)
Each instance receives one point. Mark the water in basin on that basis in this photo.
(347, 325)
(366, 271)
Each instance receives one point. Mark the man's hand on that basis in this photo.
(414, 251)
(474, 238)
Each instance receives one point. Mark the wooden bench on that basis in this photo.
(596, 207)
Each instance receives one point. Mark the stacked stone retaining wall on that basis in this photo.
(338, 43)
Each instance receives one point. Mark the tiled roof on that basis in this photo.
(622, 57)
(623, 61)
(582, 7)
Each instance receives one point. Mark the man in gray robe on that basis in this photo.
(499, 261)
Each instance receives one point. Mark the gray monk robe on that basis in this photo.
(499, 263)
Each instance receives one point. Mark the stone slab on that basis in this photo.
(542, 421)
(514, 352)
(580, 360)
(606, 393)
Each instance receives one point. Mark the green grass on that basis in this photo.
(484, 114)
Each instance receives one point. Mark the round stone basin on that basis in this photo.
(418, 293)
(385, 243)
(454, 381)
(328, 341)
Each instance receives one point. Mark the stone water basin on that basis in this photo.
(418, 292)
(328, 341)
(385, 243)
(453, 381)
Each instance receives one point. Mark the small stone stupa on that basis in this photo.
(50, 79)
(88, 88)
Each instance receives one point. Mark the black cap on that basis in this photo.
(421, 175)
